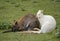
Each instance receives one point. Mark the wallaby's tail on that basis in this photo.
(7, 31)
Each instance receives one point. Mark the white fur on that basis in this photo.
(47, 22)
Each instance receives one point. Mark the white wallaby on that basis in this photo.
(47, 22)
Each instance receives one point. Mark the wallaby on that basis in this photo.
(47, 22)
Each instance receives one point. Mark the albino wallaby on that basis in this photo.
(47, 22)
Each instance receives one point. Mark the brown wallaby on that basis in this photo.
(28, 22)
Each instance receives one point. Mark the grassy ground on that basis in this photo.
(16, 36)
(11, 10)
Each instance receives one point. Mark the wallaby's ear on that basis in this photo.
(15, 22)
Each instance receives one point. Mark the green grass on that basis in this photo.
(11, 10)
(16, 36)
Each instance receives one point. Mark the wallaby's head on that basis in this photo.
(39, 13)
(15, 26)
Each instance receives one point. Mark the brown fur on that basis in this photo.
(28, 22)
